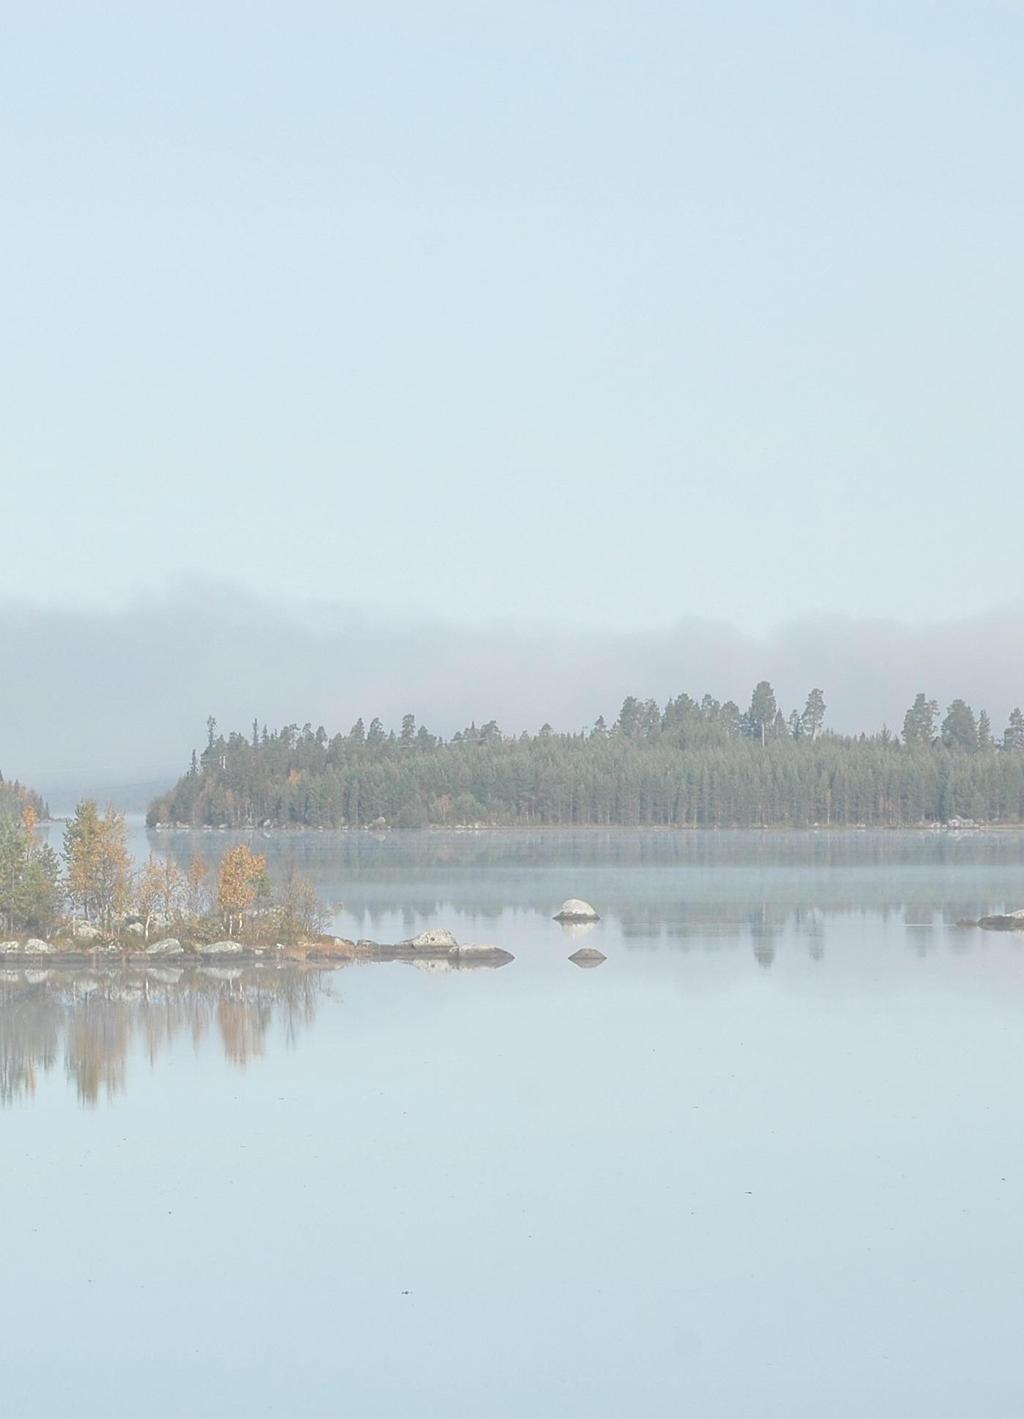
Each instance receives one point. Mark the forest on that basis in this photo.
(689, 763)
(15, 798)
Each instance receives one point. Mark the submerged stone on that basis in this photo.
(588, 958)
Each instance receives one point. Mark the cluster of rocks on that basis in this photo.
(94, 943)
(32, 947)
(435, 945)
(436, 949)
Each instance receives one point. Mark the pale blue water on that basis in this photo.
(765, 1161)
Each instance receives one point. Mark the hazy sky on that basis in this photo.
(582, 313)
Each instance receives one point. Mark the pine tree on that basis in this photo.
(1013, 736)
(919, 721)
(814, 714)
(762, 711)
(959, 728)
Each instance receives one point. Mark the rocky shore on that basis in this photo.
(437, 945)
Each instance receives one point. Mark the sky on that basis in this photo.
(538, 319)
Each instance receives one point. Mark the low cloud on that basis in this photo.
(114, 700)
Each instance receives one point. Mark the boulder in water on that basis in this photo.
(575, 909)
(35, 947)
(433, 939)
(219, 948)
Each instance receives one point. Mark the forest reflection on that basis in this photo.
(682, 886)
(90, 1020)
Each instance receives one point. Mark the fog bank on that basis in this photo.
(114, 701)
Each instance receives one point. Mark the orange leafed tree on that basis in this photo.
(98, 863)
(241, 881)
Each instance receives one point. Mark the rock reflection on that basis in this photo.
(92, 1019)
(576, 930)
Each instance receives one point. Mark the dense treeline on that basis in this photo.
(691, 763)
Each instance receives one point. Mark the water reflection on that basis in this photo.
(576, 930)
(91, 1019)
(649, 884)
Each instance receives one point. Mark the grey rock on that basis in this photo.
(135, 928)
(479, 958)
(10, 948)
(575, 909)
(35, 947)
(219, 948)
(432, 938)
(85, 931)
(166, 946)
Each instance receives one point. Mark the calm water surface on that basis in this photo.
(766, 1160)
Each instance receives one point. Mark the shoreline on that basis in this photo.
(477, 829)
(334, 952)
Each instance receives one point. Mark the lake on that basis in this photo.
(765, 1160)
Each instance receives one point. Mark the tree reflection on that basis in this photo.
(92, 1019)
